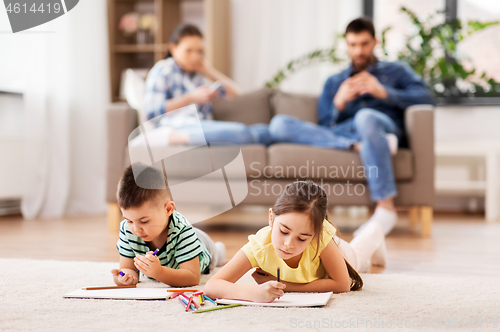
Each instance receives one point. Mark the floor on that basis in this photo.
(460, 244)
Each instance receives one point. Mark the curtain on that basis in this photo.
(66, 78)
(267, 34)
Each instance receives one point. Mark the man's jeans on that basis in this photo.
(368, 126)
(229, 132)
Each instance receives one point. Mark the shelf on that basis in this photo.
(459, 188)
(124, 52)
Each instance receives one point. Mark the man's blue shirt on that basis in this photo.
(404, 88)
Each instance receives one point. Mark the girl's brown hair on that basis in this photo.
(309, 198)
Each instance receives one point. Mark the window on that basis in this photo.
(482, 48)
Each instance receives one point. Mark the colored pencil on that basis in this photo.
(175, 295)
(194, 302)
(182, 290)
(182, 302)
(209, 299)
(201, 299)
(278, 274)
(108, 287)
(185, 302)
(189, 303)
(218, 307)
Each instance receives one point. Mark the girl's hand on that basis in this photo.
(149, 265)
(202, 95)
(125, 280)
(269, 291)
(260, 276)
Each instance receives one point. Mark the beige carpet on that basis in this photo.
(31, 300)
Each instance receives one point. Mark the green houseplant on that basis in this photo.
(431, 50)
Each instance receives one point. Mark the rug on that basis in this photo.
(31, 299)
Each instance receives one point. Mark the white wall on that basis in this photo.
(77, 85)
(267, 34)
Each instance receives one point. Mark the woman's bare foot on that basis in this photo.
(178, 137)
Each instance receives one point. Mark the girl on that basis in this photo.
(302, 243)
(185, 78)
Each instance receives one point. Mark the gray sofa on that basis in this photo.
(265, 167)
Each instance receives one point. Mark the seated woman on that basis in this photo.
(185, 78)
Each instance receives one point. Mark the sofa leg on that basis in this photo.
(114, 217)
(413, 216)
(426, 215)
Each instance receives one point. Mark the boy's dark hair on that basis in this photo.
(361, 24)
(181, 31)
(153, 186)
(309, 198)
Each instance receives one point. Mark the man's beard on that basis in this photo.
(359, 67)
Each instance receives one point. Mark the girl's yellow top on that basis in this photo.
(261, 253)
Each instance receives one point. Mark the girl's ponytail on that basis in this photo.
(356, 281)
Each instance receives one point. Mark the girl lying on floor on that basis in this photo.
(302, 243)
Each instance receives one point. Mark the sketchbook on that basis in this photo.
(288, 300)
(121, 294)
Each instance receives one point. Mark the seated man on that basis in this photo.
(362, 109)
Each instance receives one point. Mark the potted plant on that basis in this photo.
(430, 51)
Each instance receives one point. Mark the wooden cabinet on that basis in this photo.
(125, 52)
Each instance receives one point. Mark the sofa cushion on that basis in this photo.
(250, 108)
(296, 161)
(302, 106)
(196, 162)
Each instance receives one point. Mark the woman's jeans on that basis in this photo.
(368, 126)
(229, 132)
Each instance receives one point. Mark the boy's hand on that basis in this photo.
(269, 291)
(125, 280)
(260, 276)
(149, 265)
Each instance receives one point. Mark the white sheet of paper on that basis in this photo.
(289, 300)
(121, 293)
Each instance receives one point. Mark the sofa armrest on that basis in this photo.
(121, 120)
(419, 122)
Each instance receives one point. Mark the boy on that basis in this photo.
(151, 222)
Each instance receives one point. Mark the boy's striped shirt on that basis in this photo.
(182, 244)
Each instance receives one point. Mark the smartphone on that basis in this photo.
(215, 86)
